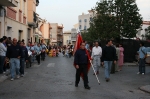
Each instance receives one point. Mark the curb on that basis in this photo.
(145, 88)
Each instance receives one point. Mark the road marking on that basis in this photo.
(51, 65)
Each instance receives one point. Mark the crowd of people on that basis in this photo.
(111, 57)
(14, 55)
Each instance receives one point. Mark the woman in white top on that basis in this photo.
(3, 50)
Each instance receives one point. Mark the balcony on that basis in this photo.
(37, 2)
(11, 3)
(34, 23)
(59, 40)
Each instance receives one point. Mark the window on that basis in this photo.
(91, 19)
(84, 27)
(85, 20)
(80, 27)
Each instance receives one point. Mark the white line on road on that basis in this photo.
(51, 65)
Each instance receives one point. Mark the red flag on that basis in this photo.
(77, 46)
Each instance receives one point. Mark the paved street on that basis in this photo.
(54, 79)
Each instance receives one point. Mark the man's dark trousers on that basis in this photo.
(22, 63)
(142, 65)
(82, 69)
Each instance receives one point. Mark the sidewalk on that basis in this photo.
(145, 88)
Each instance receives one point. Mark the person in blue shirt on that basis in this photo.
(30, 49)
(142, 52)
(38, 50)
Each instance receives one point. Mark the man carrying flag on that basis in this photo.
(81, 61)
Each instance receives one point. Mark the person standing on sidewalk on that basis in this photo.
(14, 54)
(118, 56)
(81, 61)
(108, 56)
(24, 57)
(142, 52)
(121, 57)
(3, 50)
(96, 55)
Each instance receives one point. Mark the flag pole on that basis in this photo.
(95, 73)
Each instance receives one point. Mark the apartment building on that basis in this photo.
(67, 38)
(13, 18)
(32, 19)
(73, 35)
(141, 32)
(3, 5)
(46, 29)
(16, 21)
(56, 34)
(84, 20)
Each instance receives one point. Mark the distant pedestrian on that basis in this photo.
(14, 54)
(118, 56)
(96, 56)
(81, 61)
(38, 50)
(108, 57)
(121, 57)
(142, 53)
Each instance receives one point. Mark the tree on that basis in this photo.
(147, 33)
(115, 19)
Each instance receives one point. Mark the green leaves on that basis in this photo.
(114, 19)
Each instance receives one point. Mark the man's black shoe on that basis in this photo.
(107, 79)
(76, 85)
(87, 87)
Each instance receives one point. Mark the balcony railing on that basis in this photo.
(37, 2)
(10, 3)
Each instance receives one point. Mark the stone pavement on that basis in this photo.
(54, 79)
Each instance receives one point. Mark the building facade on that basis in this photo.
(32, 20)
(84, 20)
(56, 35)
(45, 29)
(67, 38)
(3, 5)
(141, 32)
(73, 35)
(16, 21)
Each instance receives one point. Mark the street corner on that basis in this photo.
(145, 88)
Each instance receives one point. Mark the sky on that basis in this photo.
(66, 12)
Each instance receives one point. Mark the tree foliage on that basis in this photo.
(114, 19)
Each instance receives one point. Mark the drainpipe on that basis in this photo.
(4, 20)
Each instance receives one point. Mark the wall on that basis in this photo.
(66, 37)
(16, 21)
(2, 25)
(13, 27)
(30, 9)
(54, 32)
